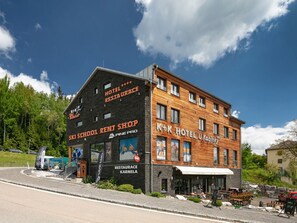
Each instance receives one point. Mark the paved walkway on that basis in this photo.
(25, 177)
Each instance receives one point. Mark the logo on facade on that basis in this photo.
(75, 113)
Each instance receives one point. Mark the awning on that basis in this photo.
(190, 170)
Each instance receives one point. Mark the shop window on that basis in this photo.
(78, 124)
(174, 150)
(226, 156)
(161, 148)
(187, 152)
(216, 156)
(97, 149)
(164, 186)
(161, 112)
(107, 85)
(107, 115)
(235, 162)
(175, 116)
(215, 108)
(192, 97)
(128, 148)
(234, 134)
(161, 84)
(216, 129)
(226, 132)
(202, 102)
(202, 124)
(175, 89)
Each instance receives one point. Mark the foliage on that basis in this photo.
(29, 120)
(157, 194)
(218, 203)
(107, 185)
(137, 191)
(88, 179)
(16, 159)
(194, 199)
(251, 160)
(126, 188)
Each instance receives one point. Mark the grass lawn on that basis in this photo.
(8, 159)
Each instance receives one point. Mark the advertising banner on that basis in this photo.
(100, 166)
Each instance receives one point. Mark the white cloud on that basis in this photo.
(42, 85)
(38, 27)
(202, 31)
(7, 42)
(261, 138)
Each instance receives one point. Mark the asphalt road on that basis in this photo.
(27, 205)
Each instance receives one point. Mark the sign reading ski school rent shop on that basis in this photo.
(187, 133)
(120, 91)
(106, 129)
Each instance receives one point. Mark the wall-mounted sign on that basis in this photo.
(127, 169)
(75, 113)
(107, 129)
(120, 91)
(187, 133)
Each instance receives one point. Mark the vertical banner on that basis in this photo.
(99, 165)
(39, 162)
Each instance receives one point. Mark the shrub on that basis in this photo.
(126, 188)
(157, 194)
(106, 185)
(194, 199)
(137, 191)
(87, 180)
(218, 203)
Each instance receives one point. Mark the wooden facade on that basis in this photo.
(158, 116)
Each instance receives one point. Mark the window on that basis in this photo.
(226, 132)
(202, 102)
(161, 148)
(80, 100)
(279, 161)
(108, 151)
(161, 84)
(192, 97)
(202, 124)
(128, 148)
(226, 113)
(174, 89)
(215, 108)
(107, 85)
(96, 151)
(226, 156)
(78, 124)
(216, 129)
(216, 155)
(161, 112)
(107, 115)
(235, 163)
(234, 134)
(174, 116)
(96, 91)
(187, 152)
(164, 185)
(95, 119)
(174, 150)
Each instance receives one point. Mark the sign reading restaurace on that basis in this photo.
(187, 133)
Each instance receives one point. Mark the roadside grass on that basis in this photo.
(9, 159)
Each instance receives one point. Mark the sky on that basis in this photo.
(244, 52)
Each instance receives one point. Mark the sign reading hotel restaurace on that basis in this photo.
(187, 133)
(118, 92)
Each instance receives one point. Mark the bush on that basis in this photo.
(194, 199)
(218, 203)
(106, 185)
(137, 191)
(126, 188)
(87, 180)
(157, 194)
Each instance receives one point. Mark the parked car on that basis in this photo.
(32, 152)
(15, 150)
(283, 196)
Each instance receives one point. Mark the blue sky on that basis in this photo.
(244, 52)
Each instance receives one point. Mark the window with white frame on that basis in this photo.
(202, 124)
(202, 101)
(216, 155)
(161, 112)
(192, 97)
(107, 85)
(161, 84)
(95, 119)
(79, 123)
(174, 89)
(226, 156)
(226, 112)
(216, 129)
(215, 107)
(96, 91)
(226, 132)
(107, 115)
(174, 116)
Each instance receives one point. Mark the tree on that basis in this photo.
(252, 160)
